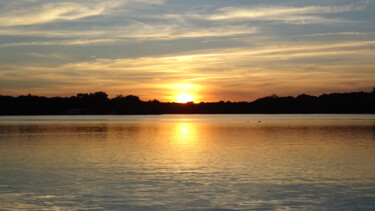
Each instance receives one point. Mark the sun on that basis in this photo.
(184, 93)
(184, 98)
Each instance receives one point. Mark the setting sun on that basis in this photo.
(184, 98)
(184, 92)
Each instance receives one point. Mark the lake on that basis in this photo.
(187, 162)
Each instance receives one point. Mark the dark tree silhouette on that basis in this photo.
(99, 103)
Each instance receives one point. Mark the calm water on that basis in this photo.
(188, 162)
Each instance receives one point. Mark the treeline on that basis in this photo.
(99, 103)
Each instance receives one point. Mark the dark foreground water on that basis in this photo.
(188, 162)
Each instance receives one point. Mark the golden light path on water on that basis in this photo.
(204, 162)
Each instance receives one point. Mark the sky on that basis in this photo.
(209, 50)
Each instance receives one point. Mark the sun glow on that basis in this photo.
(183, 93)
(184, 98)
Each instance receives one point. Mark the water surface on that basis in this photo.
(188, 162)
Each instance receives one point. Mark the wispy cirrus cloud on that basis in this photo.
(133, 31)
(49, 12)
(50, 55)
(307, 14)
(336, 33)
(39, 12)
(61, 43)
(21, 21)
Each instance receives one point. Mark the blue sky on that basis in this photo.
(213, 50)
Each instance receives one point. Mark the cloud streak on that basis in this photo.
(134, 31)
(62, 43)
(286, 14)
(51, 12)
(40, 13)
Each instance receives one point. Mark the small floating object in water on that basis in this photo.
(259, 121)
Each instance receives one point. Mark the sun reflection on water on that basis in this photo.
(195, 162)
(185, 134)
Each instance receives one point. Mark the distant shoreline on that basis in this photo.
(98, 103)
(78, 115)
